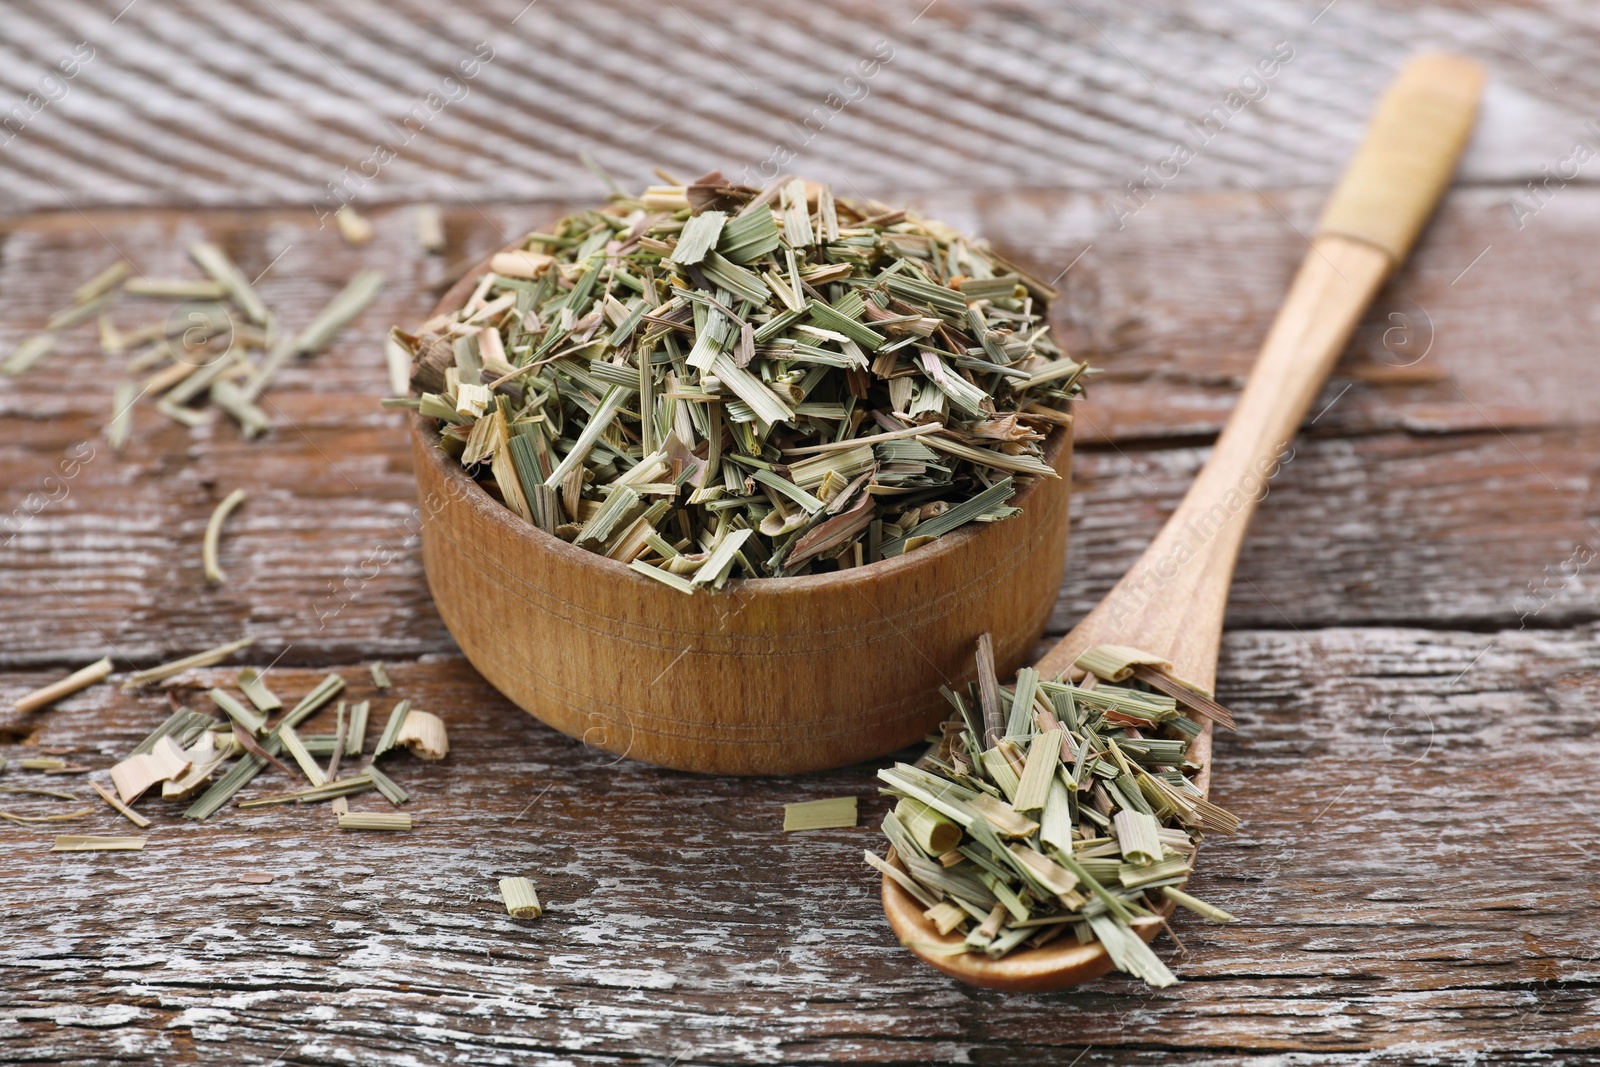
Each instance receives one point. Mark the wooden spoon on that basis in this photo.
(1172, 602)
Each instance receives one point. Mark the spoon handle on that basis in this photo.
(1172, 601)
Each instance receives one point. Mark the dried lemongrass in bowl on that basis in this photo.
(713, 381)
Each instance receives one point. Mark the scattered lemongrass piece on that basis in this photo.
(254, 685)
(374, 821)
(256, 877)
(250, 719)
(79, 679)
(134, 775)
(430, 230)
(175, 288)
(101, 283)
(423, 733)
(208, 552)
(832, 813)
(354, 228)
(296, 749)
(344, 787)
(31, 791)
(387, 786)
(215, 262)
(128, 813)
(42, 763)
(209, 658)
(380, 675)
(121, 424)
(32, 820)
(30, 351)
(391, 731)
(1196, 905)
(521, 898)
(356, 736)
(1139, 837)
(89, 843)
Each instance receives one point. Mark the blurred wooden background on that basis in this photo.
(1412, 644)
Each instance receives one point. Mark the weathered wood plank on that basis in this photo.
(248, 102)
(1393, 527)
(1407, 880)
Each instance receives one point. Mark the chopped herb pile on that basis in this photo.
(711, 381)
(1049, 808)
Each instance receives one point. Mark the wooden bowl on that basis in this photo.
(768, 676)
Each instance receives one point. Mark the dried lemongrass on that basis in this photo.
(380, 675)
(137, 773)
(521, 898)
(209, 658)
(391, 731)
(121, 424)
(1106, 770)
(126, 812)
(101, 283)
(829, 814)
(34, 820)
(256, 877)
(830, 383)
(252, 720)
(424, 734)
(214, 535)
(374, 821)
(175, 288)
(79, 679)
(387, 786)
(215, 262)
(430, 234)
(356, 734)
(253, 685)
(356, 229)
(30, 351)
(93, 843)
(344, 787)
(251, 764)
(308, 766)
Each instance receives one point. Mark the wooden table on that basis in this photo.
(1412, 646)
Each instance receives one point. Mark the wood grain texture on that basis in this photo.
(1398, 900)
(268, 101)
(1394, 509)
(1413, 872)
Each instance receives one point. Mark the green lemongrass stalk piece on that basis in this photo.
(214, 535)
(215, 262)
(698, 236)
(344, 787)
(356, 735)
(250, 719)
(387, 786)
(380, 675)
(91, 843)
(78, 679)
(391, 730)
(254, 686)
(682, 585)
(905, 881)
(521, 899)
(1020, 724)
(374, 821)
(351, 301)
(933, 832)
(832, 813)
(717, 565)
(42, 763)
(1129, 953)
(208, 658)
(102, 283)
(121, 424)
(1139, 836)
(237, 403)
(1044, 756)
(30, 351)
(175, 288)
(1196, 905)
(308, 766)
(180, 726)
